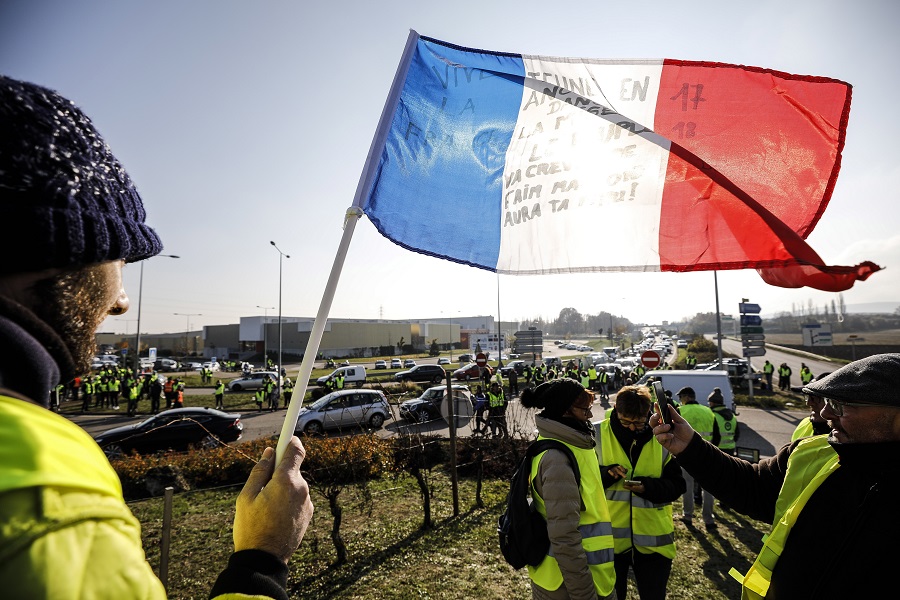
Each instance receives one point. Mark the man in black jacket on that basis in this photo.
(641, 481)
(832, 501)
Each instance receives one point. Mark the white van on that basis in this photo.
(353, 375)
(702, 382)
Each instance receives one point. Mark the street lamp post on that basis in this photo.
(137, 347)
(187, 326)
(281, 255)
(450, 335)
(266, 310)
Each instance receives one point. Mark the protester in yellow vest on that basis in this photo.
(702, 420)
(805, 374)
(814, 424)
(641, 481)
(832, 500)
(768, 370)
(220, 394)
(579, 563)
(65, 530)
(726, 430)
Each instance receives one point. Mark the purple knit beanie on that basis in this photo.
(64, 197)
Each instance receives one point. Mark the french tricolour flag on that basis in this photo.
(532, 164)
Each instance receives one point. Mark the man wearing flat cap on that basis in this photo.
(832, 500)
(73, 218)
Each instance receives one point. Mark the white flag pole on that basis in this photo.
(350, 218)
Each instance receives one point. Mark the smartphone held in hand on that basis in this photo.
(662, 402)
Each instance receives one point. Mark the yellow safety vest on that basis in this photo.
(804, 429)
(637, 522)
(594, 525)
(700, 417)
(726, 429)
(811, 463)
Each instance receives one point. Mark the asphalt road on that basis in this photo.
(763, 430)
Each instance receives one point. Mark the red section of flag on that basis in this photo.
(755, 154)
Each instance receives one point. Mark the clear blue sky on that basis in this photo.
(245, 122)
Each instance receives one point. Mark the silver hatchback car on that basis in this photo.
(344, 409)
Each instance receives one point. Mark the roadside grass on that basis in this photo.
(391, 557)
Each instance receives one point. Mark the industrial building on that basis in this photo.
(351, 338)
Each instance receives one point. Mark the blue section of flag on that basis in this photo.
(438, 186)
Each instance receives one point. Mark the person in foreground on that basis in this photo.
(73, 218)
(641, 480)
(579, 564)
(832, 500)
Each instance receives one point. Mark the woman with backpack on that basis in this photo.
(579, 563)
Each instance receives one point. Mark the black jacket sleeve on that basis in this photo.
(748, 488)
(667, 488)
(255, 573)
(605, 478)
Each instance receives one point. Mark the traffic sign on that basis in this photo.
(529, 335)
(751, 320)
(650, 359)
(752, 336)
(748, 308)
(748, 352)
(753, 343)
(481, 359)
(749, 329)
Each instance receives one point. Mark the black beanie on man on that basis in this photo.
(71, 202)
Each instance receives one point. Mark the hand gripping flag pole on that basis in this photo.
(350, 218)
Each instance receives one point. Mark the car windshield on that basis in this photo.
(433, 394)
(146, 421)
(322, 402)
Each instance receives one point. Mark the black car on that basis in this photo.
(428, 406)
(517, 365)
(422, 373)
(176, 429)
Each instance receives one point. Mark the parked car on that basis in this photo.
(470, 371)
(465, 358)
(253, 381)
(443, 361)
(432, 373)
(344, 409)
(212, 366)
(353, 375)
(409, 363)
(396, 363)
(166, 365)
(176, 429)
(682, 343)
(428, 406)
(736, 368)
(191, 366)
(380, 364)
(517, 365)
